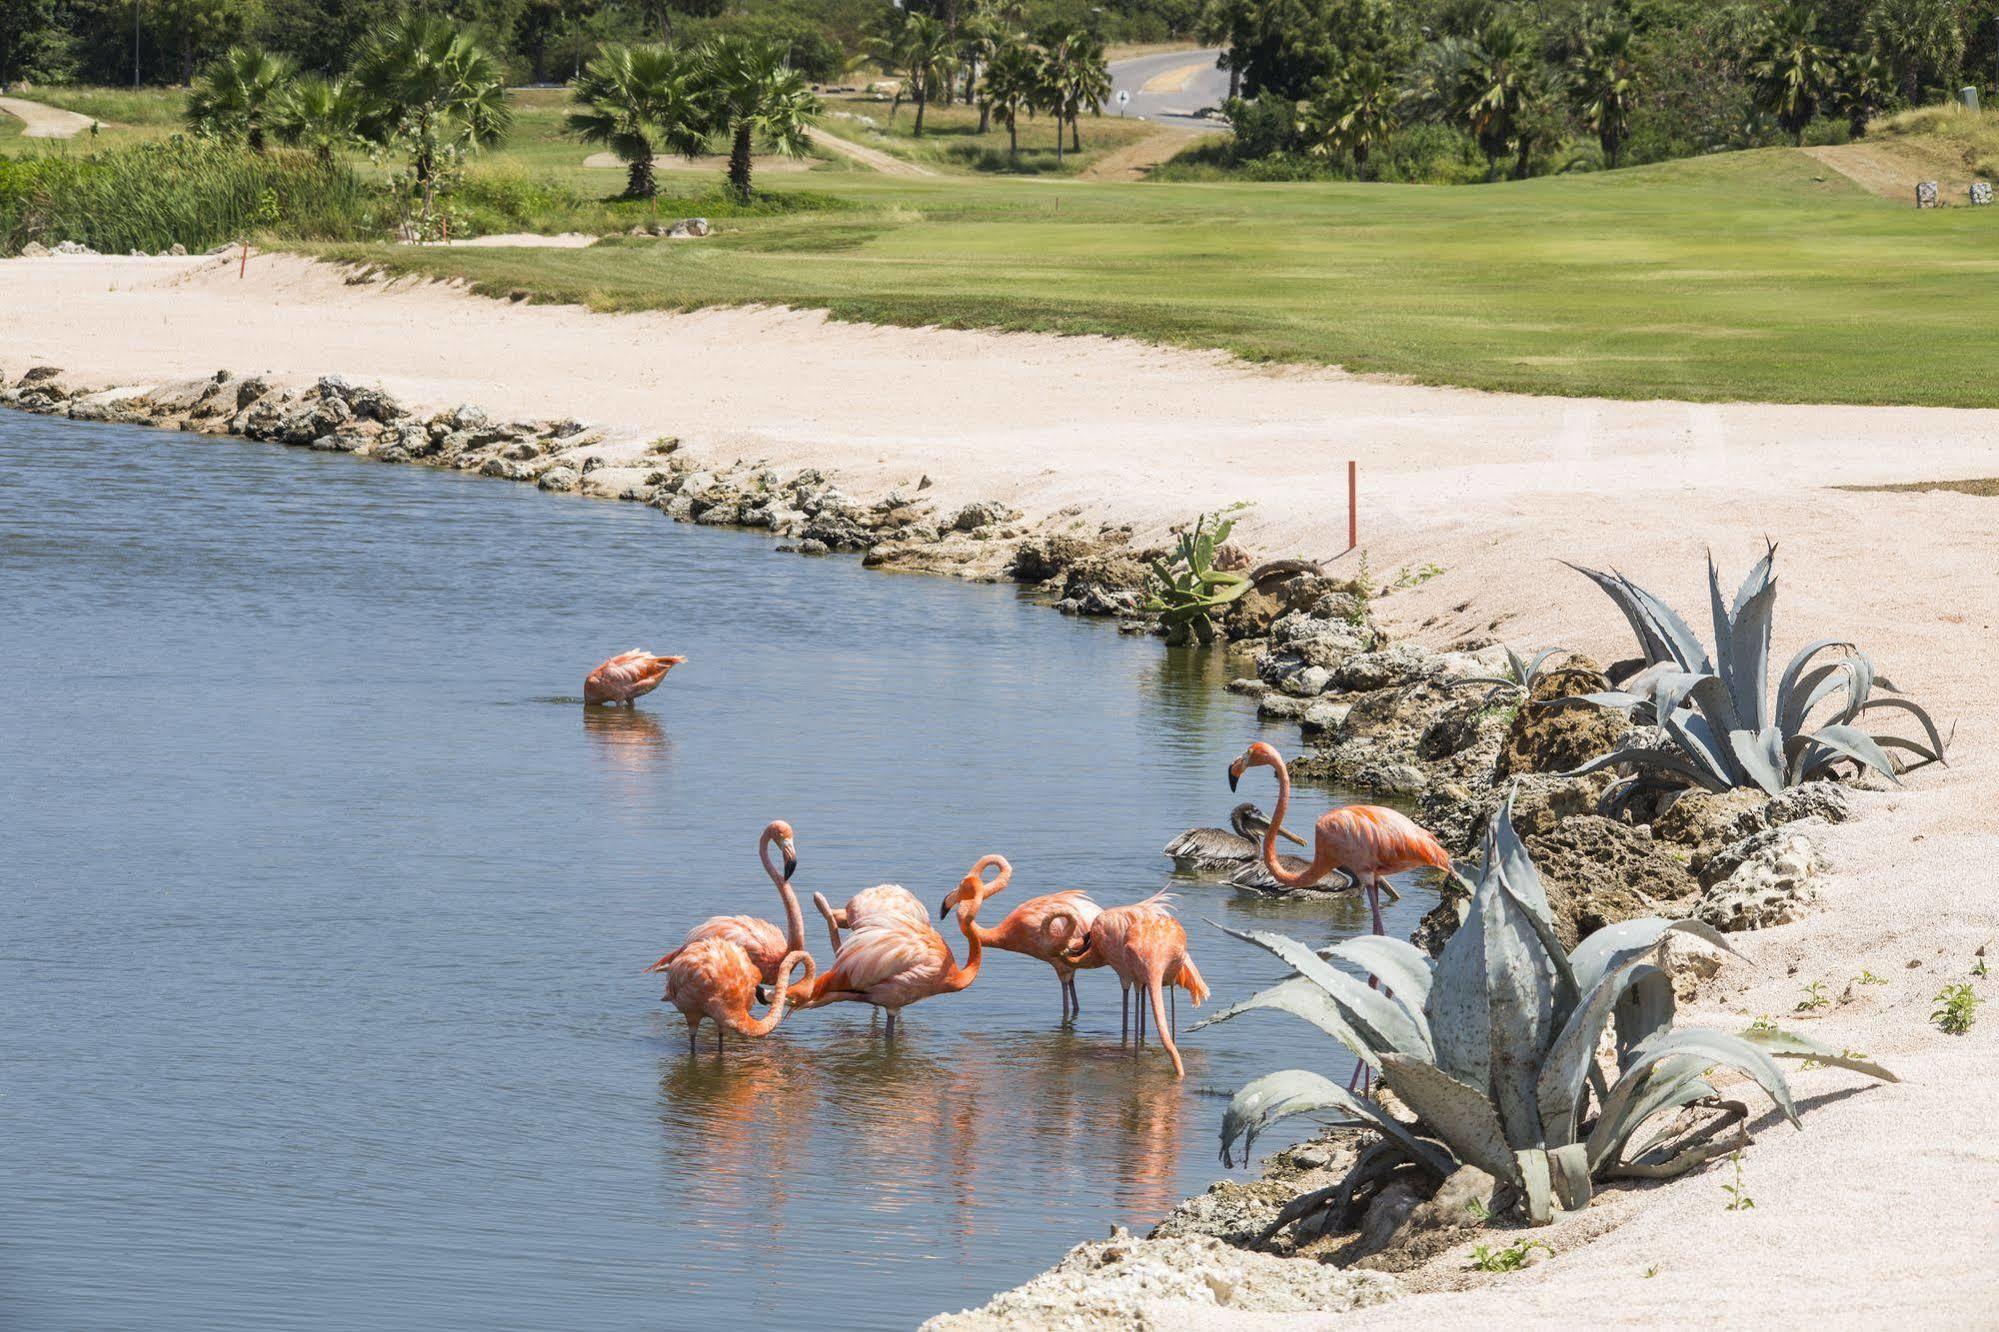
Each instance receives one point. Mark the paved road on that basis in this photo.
(1173, 100)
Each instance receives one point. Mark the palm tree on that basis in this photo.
(1789, 72)
(1865, 87)
(978, 38)
(1505, 86)
(431, 86)
(756, 98)
(639, 101)
(321, 114)
(1013, 85)
(237, 95)
(1356, 114)
(1604, 85)
(1074, 74)
(920, 47)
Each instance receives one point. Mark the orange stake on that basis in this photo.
(244, 267)
(1353, 505)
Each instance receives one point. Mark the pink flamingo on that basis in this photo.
(1363, 842)
(1147, 948)
(762, 941)
(870, 906)
(715, 978)
(1043, 927)
(627, 677)
(891, 962)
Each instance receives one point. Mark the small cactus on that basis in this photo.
(1188, 592)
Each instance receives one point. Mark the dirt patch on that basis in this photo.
(45, 122)
(716, 164)
(886, 163)
(1978, 485)
(1135, 160)
(1891, 167)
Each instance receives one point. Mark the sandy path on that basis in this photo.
(45, 122)
(711, 163)
(1135, 161)
(886, 163)
(1884, 1206)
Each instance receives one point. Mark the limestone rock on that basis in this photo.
(1396, 664)
(983, 513)
(689, 227)
(1706, 822)
(1123, 1283)
(1044, 557)
(1813, 800)
(1103, 584)
(1406, 1237)
(560, 479)
(34, 250)
(1773, 881)
(1305, 640)
(1598, 871)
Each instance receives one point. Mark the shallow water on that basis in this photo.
(325, 911)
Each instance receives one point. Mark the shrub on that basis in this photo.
(199, 194)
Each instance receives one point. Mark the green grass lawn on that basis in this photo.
(1759, 276)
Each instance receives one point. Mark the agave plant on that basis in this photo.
(1726, 727)
(1522, 674)
(1188, 591)
(1493, 1046)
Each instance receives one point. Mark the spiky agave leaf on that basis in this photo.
(1405, 969)
(1384, 1024)
(1297, 1091)
(1669, 1083)
(1301, 998)
(1457, 1112)
(1783, 1044)
(1662, 634)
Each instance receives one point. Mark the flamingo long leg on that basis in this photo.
(1124, 1015)
(1075, 997)
(891, 1024)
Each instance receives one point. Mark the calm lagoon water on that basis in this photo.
(326, 905)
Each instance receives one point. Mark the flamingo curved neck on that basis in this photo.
(1315, 871)
(794, 916)
(960, 977)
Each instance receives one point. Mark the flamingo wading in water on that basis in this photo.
(627, 677)
(1031, 928)
(1211, 850)
(1147, 948)
(765, 944)
(1364, 842)
(870, 906)
(715, 978)
(891, 961)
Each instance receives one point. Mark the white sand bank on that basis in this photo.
(1884, 1208)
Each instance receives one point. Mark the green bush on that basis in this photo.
(186, 191)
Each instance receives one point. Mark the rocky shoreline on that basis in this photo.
(1426, 729)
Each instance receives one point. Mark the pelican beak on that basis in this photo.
(1290, 837)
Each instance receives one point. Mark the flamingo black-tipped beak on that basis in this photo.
(766, 994)
(1235, 775)
(944, 907)
(790, 864)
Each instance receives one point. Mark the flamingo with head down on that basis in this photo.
(1147, 948)
(627, 677)
(1045, 927)
(764, 944)
(891, 961)
(715, 978)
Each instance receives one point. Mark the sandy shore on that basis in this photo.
(1883, 1208)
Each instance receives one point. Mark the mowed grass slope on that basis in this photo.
(1751, 276)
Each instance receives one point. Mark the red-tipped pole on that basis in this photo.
(1353, 504)
(244, 267)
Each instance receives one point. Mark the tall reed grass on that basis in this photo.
(187, 191)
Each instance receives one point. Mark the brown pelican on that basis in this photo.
(1221, 850)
